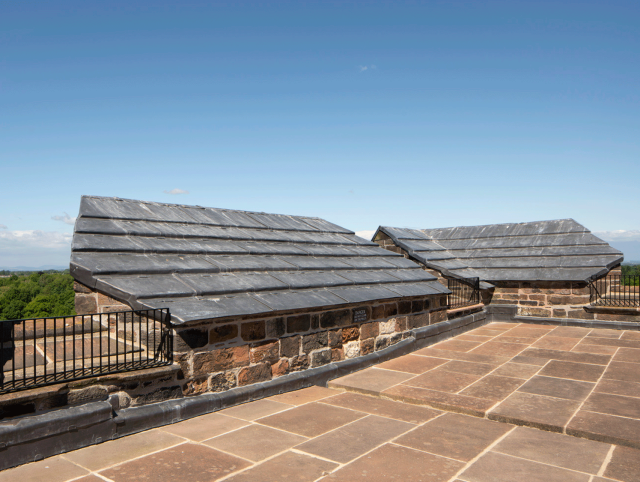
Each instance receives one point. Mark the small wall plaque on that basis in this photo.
(359, 316)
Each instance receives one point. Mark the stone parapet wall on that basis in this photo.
(217, 356)
(89, 301)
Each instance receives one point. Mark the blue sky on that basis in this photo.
(413, 114)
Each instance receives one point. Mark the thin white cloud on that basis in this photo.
(2, 226)
(364, 68)
(619, 235)
(176, 191)
(34, 248)
(365, 234)
(66, 219)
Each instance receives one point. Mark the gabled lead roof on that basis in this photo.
(560, 250)
(205, 263)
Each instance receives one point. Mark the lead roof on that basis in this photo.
(206, 263)
(560, 250)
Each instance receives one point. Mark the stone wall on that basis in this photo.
(89, 301)
(217, 356)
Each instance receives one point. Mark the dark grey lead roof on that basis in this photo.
(205, 263)
(561, 250)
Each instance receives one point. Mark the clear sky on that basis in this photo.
(413, 114)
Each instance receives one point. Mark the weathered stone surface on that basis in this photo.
(298, 363)
(377, 312)
(253, 330)
(222, 381)
(401, 323)
(320, 357)
(314, 341)
(568, 300)
(381, 342)
(580, 314)
(219, 360)
(280, 368)
(186, 340)
(331, 319)
(80, 288)
(417, 306)
(366, 346)
(275, 328)
(369, 330)
(404, 307)
(350, 334)
(254, 374)
(335, 338)
(164, 393)
(559, 313)
(290, 346)
(390, 309)
(337, 354)
(87, 395)
(315, 322)
(268, 351)
(223, 333)
(437, 316)
(417, 321)
(526, 311)
(299, 323)
(85, 304)
(196, 387)
(387, 327)
(351, 349)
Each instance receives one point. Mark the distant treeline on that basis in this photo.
(36, 294)
(631, 269)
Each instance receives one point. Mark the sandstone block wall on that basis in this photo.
(217, 356)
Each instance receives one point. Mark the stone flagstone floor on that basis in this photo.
(462, 410)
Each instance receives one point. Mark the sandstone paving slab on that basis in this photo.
(530, 360)
(473, 337)
(304, 395)
(554, 449)
(605, 428)
(628, 372)
(493, 387)
(575, 371)
(255, 442)
(597, 349)
(412, 364)
(546, 354)
(523, 340)
(556, 343)
(468, 367)
(495, 467)
(629, 355)
(443, 380)
(630, 335)
(255, 410)
(530, 331)
(351, 441)
(624, 464)
(89, 478)
(383, 408)
(370, 380)
(570, 331)
(440, 400)
(618, 387)
(496, 348)
(204, 427)
(517, 370)
(613, 405)
(192, 462)
(54, 469)
(290, 466)
(455, 436)
(457, 345)
(557, 387)
(605, 333)
(395, 463)
(535, 411)
(311, 419)
(454, 355)
(106, 454)
(612, 342)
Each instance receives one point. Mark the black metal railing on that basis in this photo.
(43, 351)
(616, 290)
(464, 292)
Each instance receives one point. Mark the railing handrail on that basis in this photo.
(93, 344)
(464, 292)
